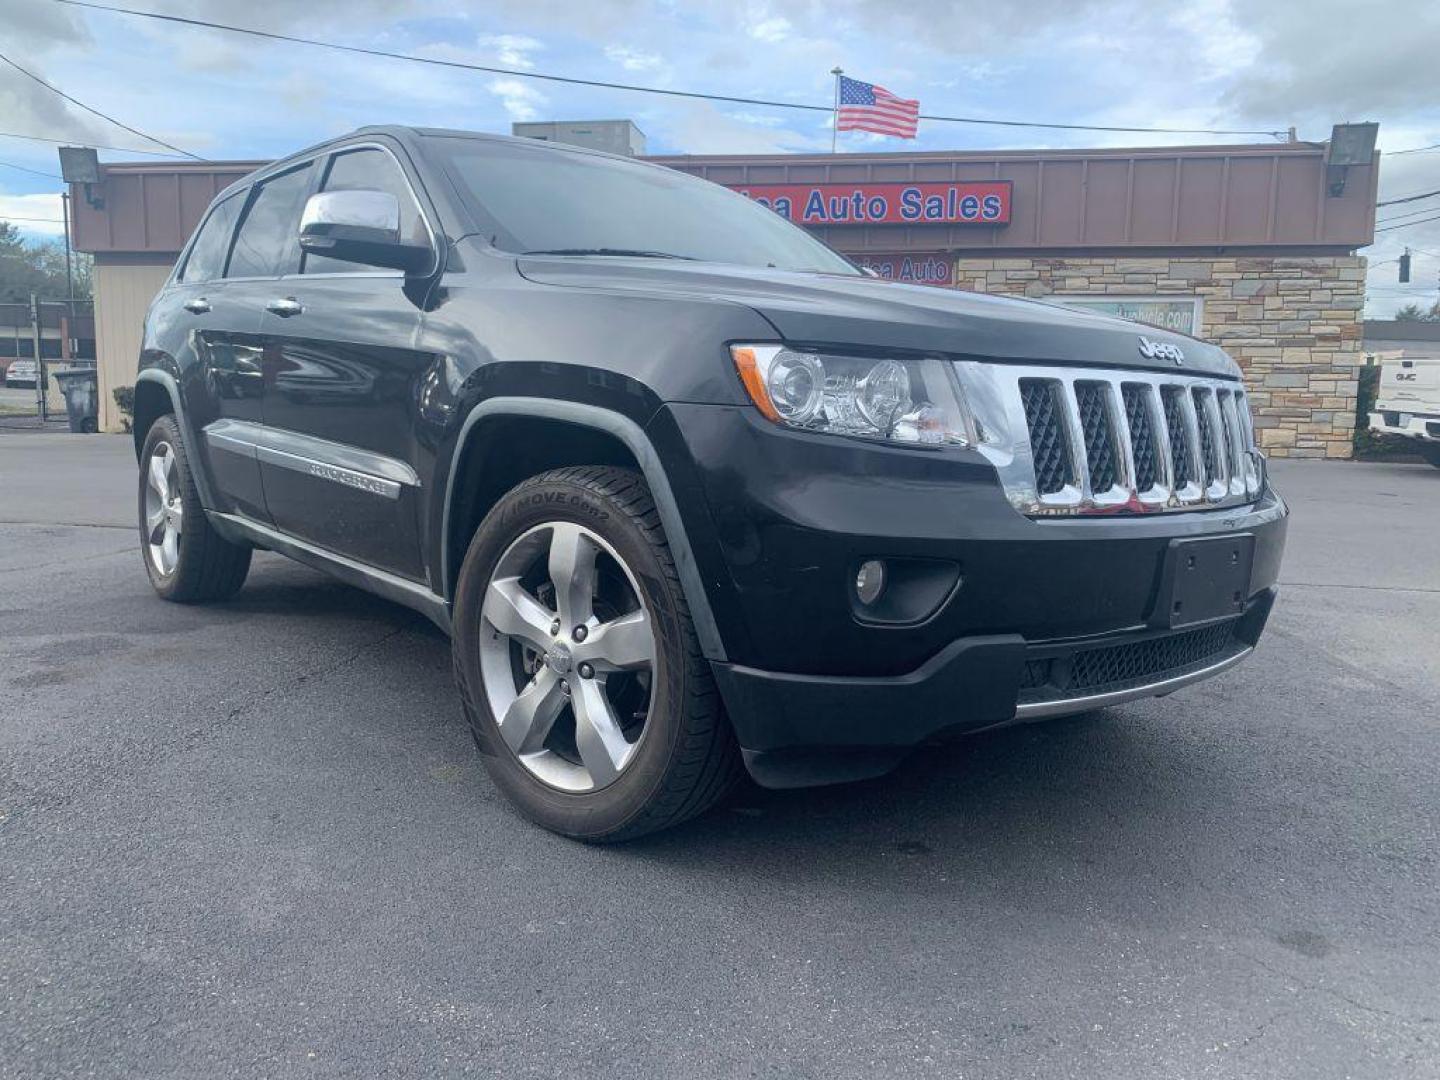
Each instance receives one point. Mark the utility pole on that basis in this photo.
(35, 336)
(69, 279)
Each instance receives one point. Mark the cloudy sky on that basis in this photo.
(1241, 64)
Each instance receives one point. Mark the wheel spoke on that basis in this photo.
(622, 644)
(527, 722)
(154, 519)
(602, 747)
(177, 513)
(157, 532)
(515, 613)
(156, 478)
(169, 549)
(572, 570)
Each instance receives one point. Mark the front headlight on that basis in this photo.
(907, 401)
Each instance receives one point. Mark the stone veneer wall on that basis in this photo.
(1293, 324)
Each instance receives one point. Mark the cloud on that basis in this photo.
(18, 208)
(770, 29)
(1335, 59)
(511, 50)
(30, 27)
(634, 59)
(698, 127)
(521, 100)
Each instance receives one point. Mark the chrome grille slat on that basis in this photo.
(1096, 441)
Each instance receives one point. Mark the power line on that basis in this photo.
(1414, 150)
(571, 80)
(16, 217)
(91, 109)
(22, 168)
(1406, 214)
(1409, 198)
(1407, 224)
(81, 142)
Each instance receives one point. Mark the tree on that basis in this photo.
(1415, 313)
(37, 267)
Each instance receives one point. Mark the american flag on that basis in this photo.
(864, 107)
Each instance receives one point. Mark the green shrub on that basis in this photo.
(1369, 444)
(125, 402)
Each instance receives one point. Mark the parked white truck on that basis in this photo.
(1408, 404)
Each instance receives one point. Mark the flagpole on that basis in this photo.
(835, 121)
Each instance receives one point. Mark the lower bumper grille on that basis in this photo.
(1106, 669)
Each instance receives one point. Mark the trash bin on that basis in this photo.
(81, 389)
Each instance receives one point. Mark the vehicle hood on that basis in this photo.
(840, 310)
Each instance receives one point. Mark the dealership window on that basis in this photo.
(1182, 313)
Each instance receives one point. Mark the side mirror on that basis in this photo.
(359, 227)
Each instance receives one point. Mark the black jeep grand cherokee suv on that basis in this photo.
(687, 489)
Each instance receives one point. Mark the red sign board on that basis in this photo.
(925, 268)
(929, 203)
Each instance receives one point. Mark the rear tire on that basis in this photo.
(1431, 452)
(670, 751)
(187, 560)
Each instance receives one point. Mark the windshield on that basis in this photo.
(542, 200)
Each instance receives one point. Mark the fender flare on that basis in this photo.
(633, 436)
(197, 471)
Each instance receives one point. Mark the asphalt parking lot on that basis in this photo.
(255, 840)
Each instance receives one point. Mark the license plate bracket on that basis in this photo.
(1204, 579)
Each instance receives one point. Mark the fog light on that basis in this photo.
(870, 581)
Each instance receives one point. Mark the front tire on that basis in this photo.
(578, 664)
(187, 560)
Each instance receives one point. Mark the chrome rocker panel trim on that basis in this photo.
(1038, 710)
(321, 458)
(411, 594)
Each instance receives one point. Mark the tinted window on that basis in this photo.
(207, 256)
(544, 200)
(369, 170)
(266, 242)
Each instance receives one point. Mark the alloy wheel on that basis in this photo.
(567, 656)
(164, 509)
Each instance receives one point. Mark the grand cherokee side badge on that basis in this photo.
(1161, 350)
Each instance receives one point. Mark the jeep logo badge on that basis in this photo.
(1161, 350)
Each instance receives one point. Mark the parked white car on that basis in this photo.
(22, 373)
(1408, 404)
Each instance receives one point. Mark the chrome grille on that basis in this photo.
(1087, 441)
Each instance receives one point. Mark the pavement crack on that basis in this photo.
(316, 673)
(63, 524)
(1316, 988)
(1358, 588)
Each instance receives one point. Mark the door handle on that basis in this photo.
(285, 307)
(197, 306)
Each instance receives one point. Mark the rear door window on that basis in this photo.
(207, 256)
(266, 245)
(369, 169)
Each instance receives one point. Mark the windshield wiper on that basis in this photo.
(622, 252)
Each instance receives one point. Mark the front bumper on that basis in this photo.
(799, 730)
(792, 515)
